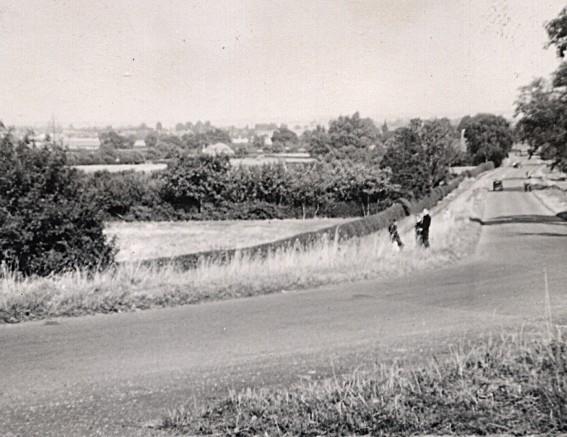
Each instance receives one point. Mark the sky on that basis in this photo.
(237, 62)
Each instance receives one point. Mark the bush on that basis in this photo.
(46, 225)
(105, 156)
(192, 182)
(129, 196)
(479, 169)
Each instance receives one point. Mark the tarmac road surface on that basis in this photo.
(108, 375)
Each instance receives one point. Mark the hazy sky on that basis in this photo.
(118, 61)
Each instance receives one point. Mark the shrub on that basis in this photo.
(105, 156)
(191, 182)
(46, 225)
(128, 195)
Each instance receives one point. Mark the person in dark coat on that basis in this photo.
(422, 229)
(394, 235)
(425, 224)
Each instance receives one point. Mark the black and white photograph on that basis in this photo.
(283, 218)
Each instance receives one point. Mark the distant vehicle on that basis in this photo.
(516, 164)
(497, 185)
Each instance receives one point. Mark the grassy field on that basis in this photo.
(144, 240)
(514, 384)
(132, 286)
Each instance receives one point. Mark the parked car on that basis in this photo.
(497, 185)
(517, 164)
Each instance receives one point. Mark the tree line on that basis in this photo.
(542, 104)
(209, 188)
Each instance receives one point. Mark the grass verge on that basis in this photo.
(511, 384)
(133, 286)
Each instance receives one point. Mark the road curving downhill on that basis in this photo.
(107, 375)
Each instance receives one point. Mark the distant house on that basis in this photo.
(75, 143)
(140, 143)
(218, 149)
(265, 130)
(240, 140)
(287, 159)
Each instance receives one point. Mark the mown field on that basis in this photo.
(146, 240)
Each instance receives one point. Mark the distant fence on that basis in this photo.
(355, 228)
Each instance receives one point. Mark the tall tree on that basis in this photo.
(489, 138)
(318, 142)
(348, 137)
(542, 105)
(348, 133)
(543, 121)
(284, 138)
(557, 32)
(419, 155)
(406, 159)
(110, 139)
(439, 139)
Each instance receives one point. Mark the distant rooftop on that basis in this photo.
(218, 149)
(82, 143)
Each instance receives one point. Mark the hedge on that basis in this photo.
(435, 196)
(355, 228)
(479, 169)
(345, 231)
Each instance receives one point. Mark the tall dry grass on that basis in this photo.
(513, 384)
(131, 287)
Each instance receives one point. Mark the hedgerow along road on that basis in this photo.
(111, 374)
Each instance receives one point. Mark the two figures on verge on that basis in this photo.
(423, 222)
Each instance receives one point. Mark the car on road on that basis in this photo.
(497, 185)
(516, 164)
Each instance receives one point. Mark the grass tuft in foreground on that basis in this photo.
(510, 385)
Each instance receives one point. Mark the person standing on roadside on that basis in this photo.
(422, 229)
(425, 224)
(418, 230)
(394, 235)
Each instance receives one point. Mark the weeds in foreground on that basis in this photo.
(131, 287)
(509, 385)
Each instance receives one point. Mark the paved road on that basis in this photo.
(108, 374)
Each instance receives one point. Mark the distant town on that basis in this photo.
(125, 146)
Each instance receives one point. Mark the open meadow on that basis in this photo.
(145, 240)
